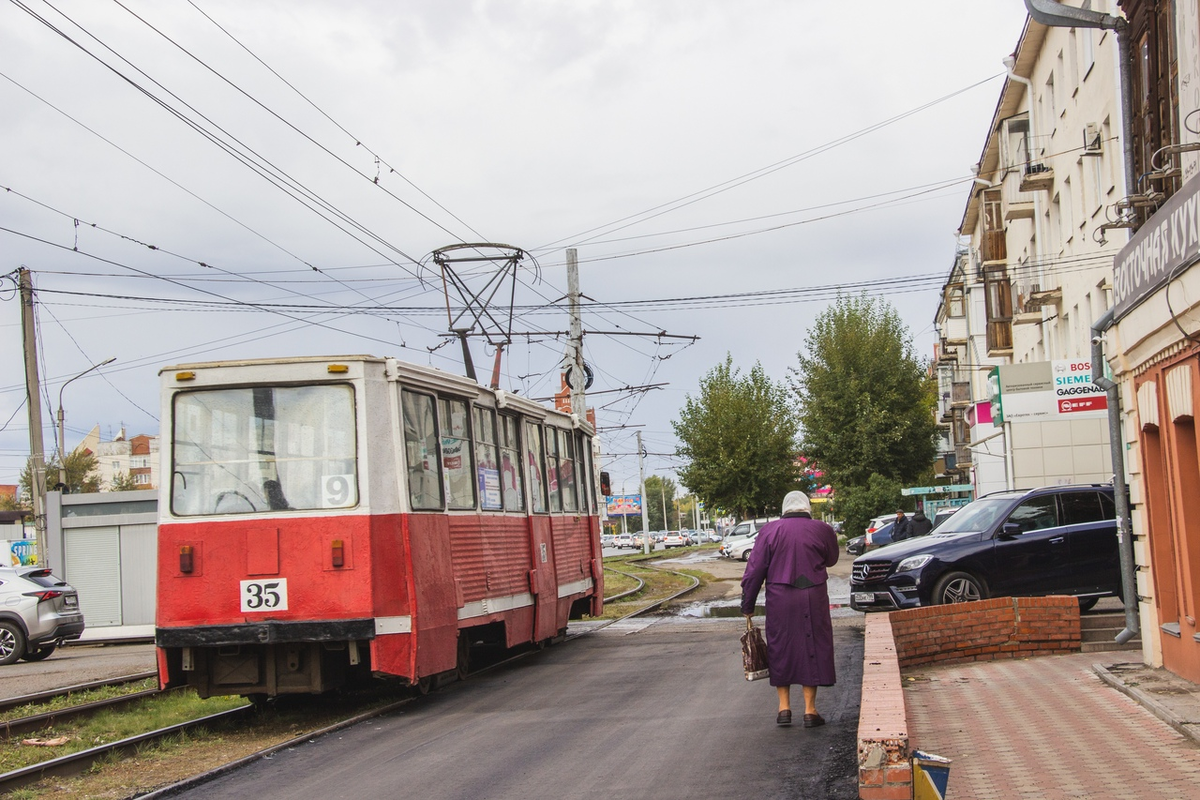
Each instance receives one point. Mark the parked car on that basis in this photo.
(712, 537)
(1053, 540)
(879, 532)
(38, 612)
(857, 546)
(737, 535)
(639, 540)
(676, 539)
(740, 550)
(607, 540)
(624, 540)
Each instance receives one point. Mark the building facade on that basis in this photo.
(1154, 344)
(1034, 266)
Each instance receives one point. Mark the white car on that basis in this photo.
(739, 535)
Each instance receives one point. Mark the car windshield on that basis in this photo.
(977, 517)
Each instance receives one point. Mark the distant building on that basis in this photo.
(136, 456)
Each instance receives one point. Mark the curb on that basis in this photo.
(1186, 727)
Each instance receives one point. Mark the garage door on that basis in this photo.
(93, 567)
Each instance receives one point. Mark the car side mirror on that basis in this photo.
(1010, 530)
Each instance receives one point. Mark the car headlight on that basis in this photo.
(913, 562)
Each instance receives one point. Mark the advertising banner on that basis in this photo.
(625, 505)
(1050, 390)
(20, 553)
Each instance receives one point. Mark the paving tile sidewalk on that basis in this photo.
(1052, 728)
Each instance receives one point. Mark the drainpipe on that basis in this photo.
(1050, 13)
(1116, 443)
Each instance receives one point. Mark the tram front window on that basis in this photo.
(241, 451)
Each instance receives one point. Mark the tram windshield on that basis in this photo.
(240, 451)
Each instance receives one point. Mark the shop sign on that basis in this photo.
(1163, 247)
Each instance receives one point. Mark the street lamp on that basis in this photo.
(62, 442)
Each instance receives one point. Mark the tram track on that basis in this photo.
(77, 763)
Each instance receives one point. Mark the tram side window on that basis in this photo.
(487, 469)
(533, 458)
(552, 461)
(421, 452)
(510, 465)
(567, 474)
(456, 453)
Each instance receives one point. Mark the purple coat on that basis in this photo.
(791, 556)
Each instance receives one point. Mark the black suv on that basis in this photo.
(1054, 540)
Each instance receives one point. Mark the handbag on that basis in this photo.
(754, 653)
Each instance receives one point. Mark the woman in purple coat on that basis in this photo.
(791, 555)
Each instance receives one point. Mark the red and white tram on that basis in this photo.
(327, 518)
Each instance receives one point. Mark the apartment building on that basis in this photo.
(1033, 271)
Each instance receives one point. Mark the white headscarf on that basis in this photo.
(796, 501)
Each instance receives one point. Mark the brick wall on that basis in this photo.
(1004, 627)
(884, 760)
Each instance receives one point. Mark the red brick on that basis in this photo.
(871, 777)
(899, 774)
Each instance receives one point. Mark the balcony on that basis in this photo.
(1037, 178)
(960, 393)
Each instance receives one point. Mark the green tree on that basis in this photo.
(856, 505)
(658, 491)
(123, 482)
(866, 403)
(739, 440)
(78, 474)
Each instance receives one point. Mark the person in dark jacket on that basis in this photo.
(902, 529)
(920, 524)
(791, 556)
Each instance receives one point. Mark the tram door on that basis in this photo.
(543, 578)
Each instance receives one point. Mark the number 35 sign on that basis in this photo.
(269, 595)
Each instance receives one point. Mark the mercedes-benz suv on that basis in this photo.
(1053, 540)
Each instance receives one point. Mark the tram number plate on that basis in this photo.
(268, 595)
(864, 597)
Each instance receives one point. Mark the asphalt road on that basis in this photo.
(655, 709)
(69, 666)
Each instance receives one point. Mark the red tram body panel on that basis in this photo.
(327, 519)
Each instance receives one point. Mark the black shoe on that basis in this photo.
(812, 720)
(784, 718)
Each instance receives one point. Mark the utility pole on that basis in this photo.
(37, 457)
(645, 518)
(578, 377)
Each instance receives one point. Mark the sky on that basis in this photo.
(190, 180)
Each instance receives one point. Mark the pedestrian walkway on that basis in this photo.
(1050, 728)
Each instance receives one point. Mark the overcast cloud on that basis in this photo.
(540, 124)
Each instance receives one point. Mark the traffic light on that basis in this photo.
(605, 484)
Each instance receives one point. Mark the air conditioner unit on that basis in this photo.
(1093, 144)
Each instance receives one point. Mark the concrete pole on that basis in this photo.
(645, 517)
(37, 456)
(578, 377)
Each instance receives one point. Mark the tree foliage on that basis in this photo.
(123, 482)
(866, 403)
(739, 440)
(78, 474)
(856, 505)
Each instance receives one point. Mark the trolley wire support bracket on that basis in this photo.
(471, 309)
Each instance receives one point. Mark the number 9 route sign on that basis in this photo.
(264, 596)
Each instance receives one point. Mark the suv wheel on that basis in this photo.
(746, 554)
(958, 587)
(12, 642)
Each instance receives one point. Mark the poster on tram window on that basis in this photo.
(625, 505)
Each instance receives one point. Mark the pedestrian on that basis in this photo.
(920, 524)
(791, 556)
(902, 529)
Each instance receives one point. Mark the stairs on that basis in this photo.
(1099, 628)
